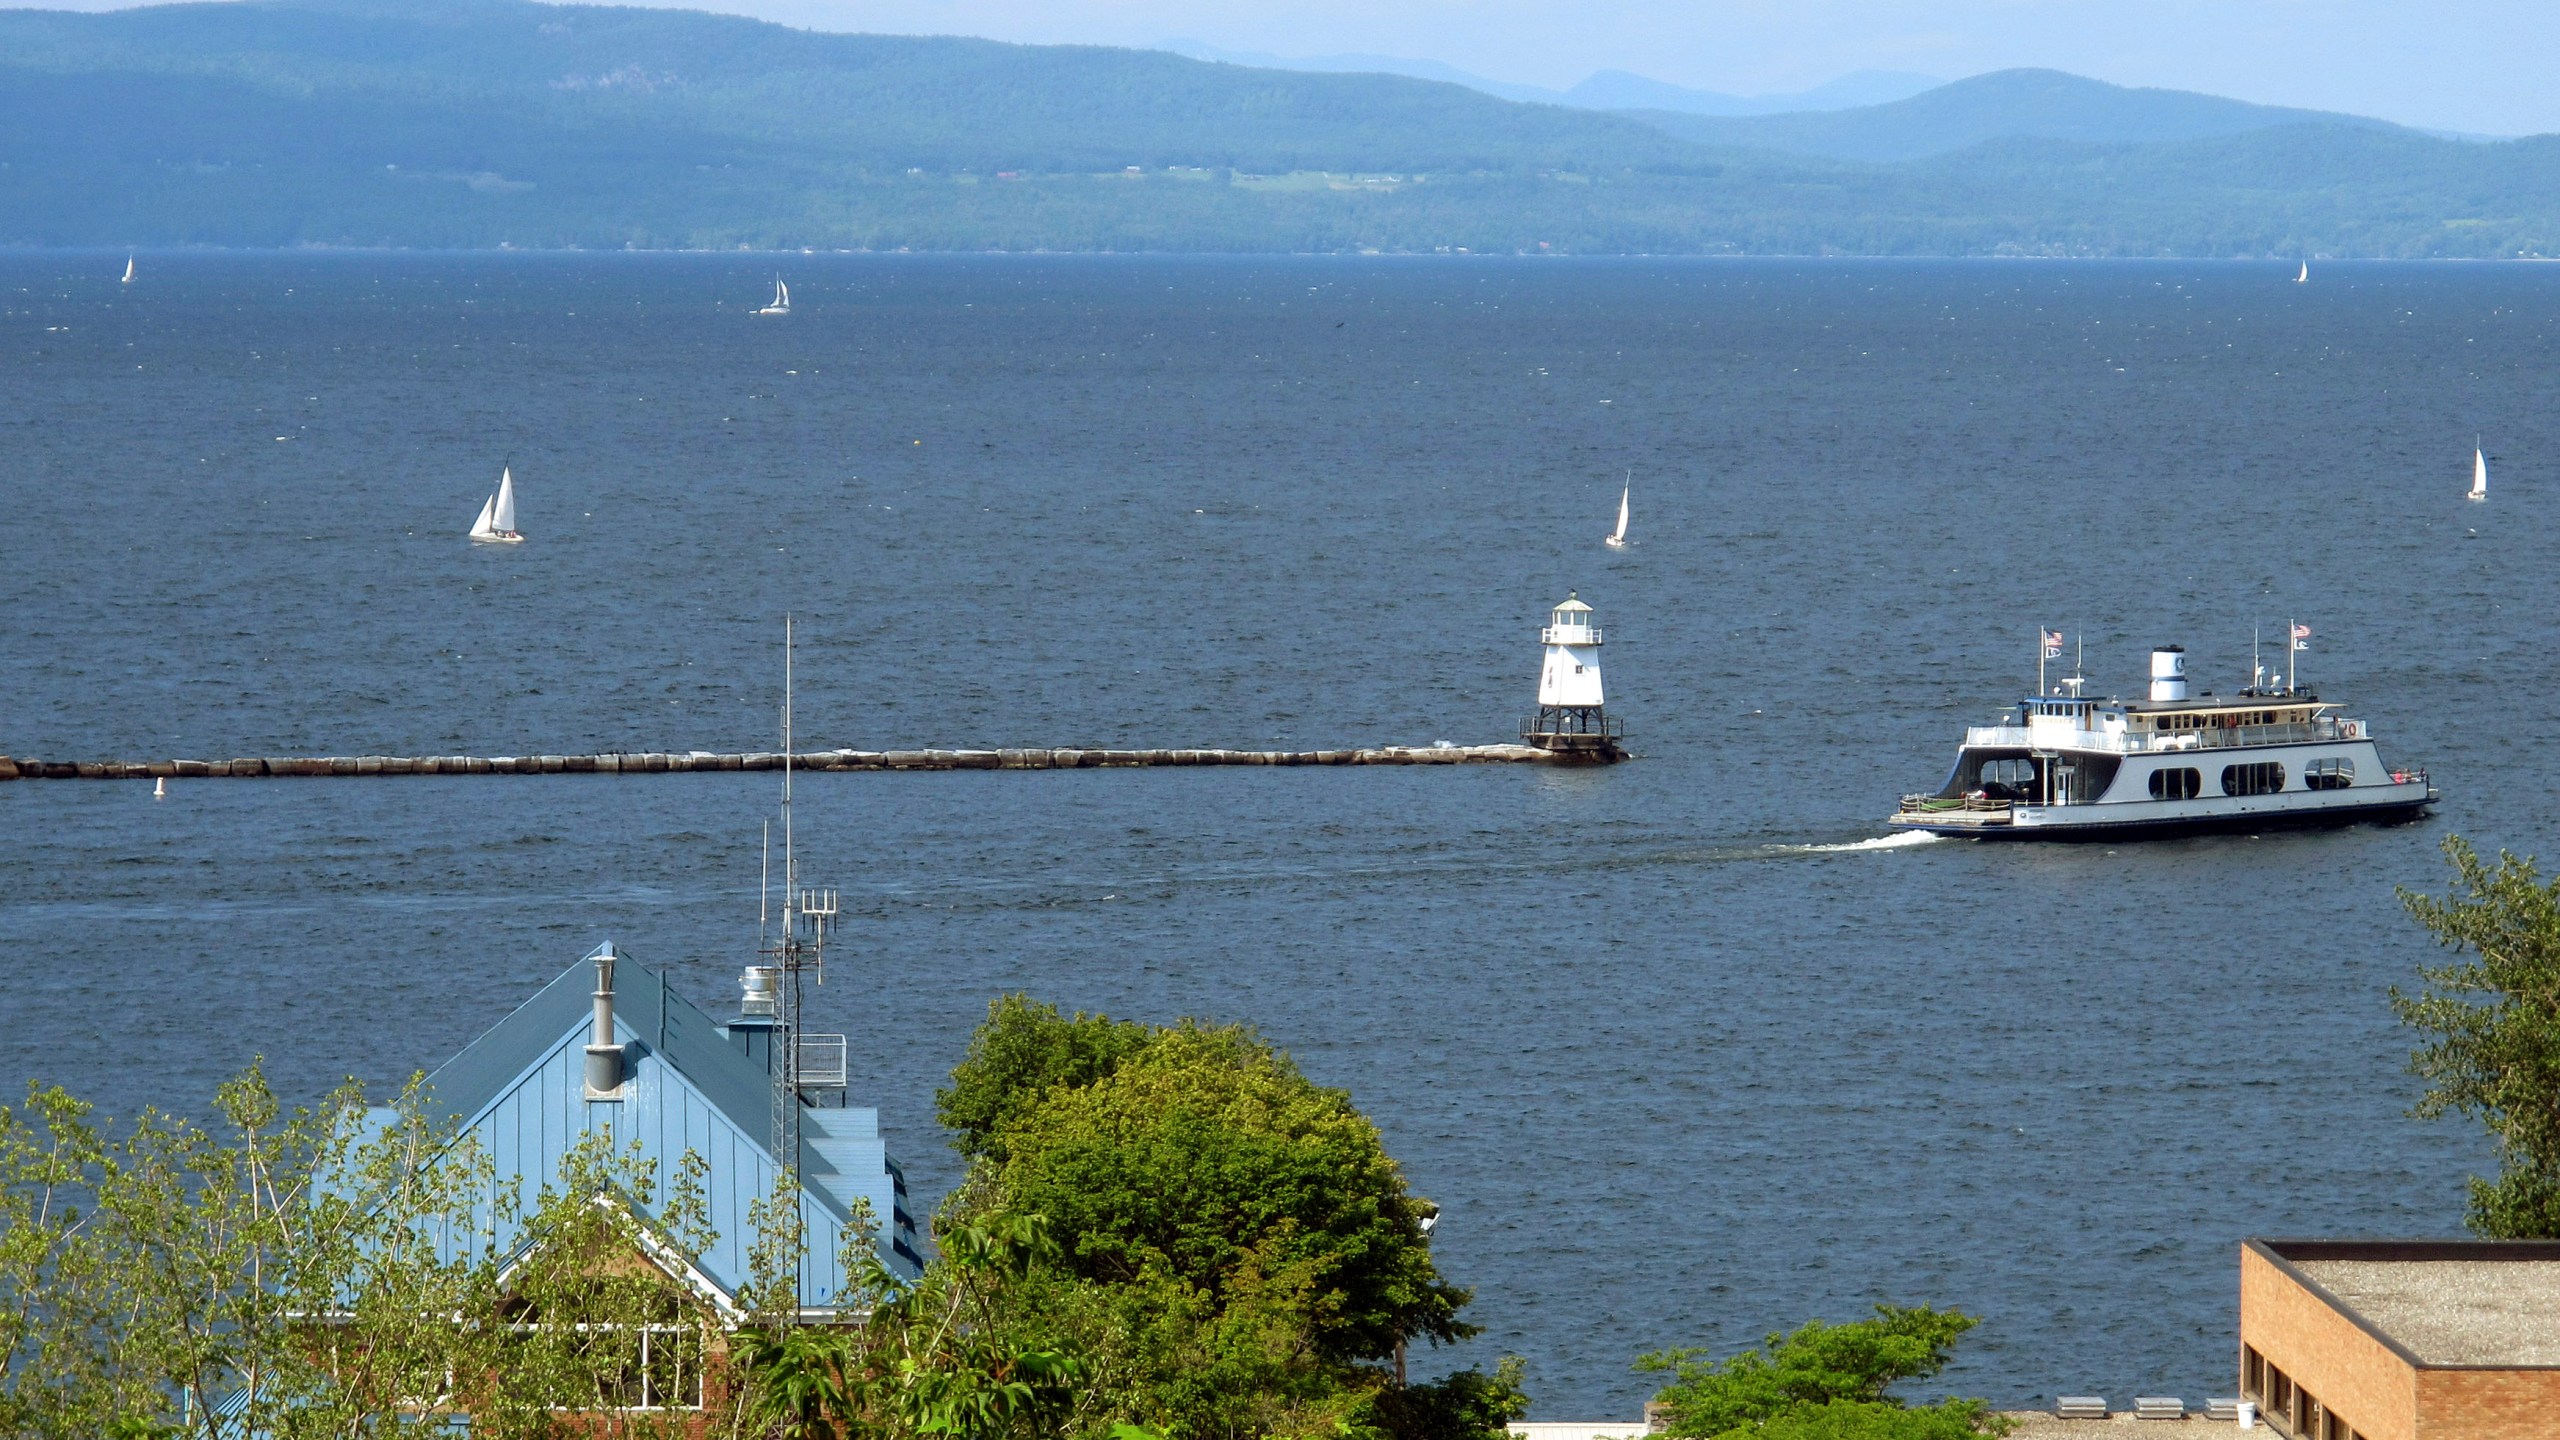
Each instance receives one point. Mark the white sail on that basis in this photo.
(1618, 536)
(481, 529)
(128, 269)
(503, 520)
(781, 300)
(2479, 474)
(2305, 276)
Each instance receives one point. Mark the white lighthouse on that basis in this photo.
(1572, 717)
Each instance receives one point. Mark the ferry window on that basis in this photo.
(2336, 773)
(2179, 784)
(2015, 777)
(2264, 778)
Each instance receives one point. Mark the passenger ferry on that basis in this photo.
(2067, 767)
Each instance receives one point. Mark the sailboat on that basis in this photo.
(1617, 539)
(497, 522)
(2479, 474)
(781, 300)
(128, 270)
(2305, 277)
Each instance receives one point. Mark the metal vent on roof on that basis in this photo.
(762, 986)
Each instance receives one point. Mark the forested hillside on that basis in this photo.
(2005, 105)
(461, 123)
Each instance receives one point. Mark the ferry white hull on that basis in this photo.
(2126, 809)
(2152, 819)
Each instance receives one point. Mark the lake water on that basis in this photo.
(1684, 1055)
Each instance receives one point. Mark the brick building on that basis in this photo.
(2402, 1339)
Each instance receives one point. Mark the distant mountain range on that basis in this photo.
(2007, 105)
(1603, 90)
(458, 123)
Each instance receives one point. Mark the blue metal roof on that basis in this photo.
(521, 1090)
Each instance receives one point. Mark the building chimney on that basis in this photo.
(2168, 674)
(604, 1057)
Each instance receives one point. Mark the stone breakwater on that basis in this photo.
(666, 762)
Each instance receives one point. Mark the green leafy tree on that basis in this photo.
(777, 1253)
(593, 1317)
(790, 1382)
(1468, 1405)
(277, 1273)
(1205, 1159)
(1021, 1053)
(2492, 1025)
(57, 1318)
(951, 1356)
(958, 1354)
(269, 1274)
(335, 1271)
(1823, 1382)
(385, 1272)
(1237, 1255)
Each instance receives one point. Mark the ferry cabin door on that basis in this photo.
(2055, 779)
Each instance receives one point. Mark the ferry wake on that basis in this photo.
(2066, 766)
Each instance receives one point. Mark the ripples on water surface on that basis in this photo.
(1684, 1050)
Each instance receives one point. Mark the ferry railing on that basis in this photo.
(1939, 804)
(2235, 737)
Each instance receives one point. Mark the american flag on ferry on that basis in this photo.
(2052, 644)
(2301, 637)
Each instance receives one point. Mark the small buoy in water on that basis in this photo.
(160, 788)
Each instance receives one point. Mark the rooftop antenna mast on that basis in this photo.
(797, 957)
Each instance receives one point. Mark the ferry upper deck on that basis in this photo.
(2134, 727)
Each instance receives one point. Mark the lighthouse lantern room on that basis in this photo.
(1572, 717)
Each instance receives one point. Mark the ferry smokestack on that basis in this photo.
(604, 1057)
(2168, 673)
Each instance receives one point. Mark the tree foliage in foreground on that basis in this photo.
(1235, 1253)
(293, 1274)
(1823, 1382)
(189, 1280)
(2492, 1025)
(1164, 1234)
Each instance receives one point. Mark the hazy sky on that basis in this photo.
(2480, 65)
(2477, 65)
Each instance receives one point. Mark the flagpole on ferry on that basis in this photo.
(2292, 647)
(2040, 649)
